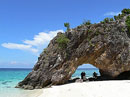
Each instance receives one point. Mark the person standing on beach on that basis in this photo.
(95, 75)
(83, 76)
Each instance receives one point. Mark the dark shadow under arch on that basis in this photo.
(124, 76)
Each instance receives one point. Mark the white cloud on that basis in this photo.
(112, 13)
(39, 41)
(42, 38)
(20, 47)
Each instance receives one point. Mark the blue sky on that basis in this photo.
(27, 26)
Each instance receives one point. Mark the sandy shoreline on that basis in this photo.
(89, 89)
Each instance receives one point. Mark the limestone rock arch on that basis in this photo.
(106, 46)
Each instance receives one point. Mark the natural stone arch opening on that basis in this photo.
(89, 69)
(124, 75)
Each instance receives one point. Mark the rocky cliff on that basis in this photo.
(105, 45)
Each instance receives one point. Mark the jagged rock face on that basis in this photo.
(106, 46)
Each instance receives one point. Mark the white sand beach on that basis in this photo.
(90, 89)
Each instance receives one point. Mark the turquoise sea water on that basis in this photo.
(9, 78)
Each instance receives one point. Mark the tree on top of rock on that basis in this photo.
(126, 11)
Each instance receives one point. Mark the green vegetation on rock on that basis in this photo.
(86, 22)
(115, 17)
(97, 32)
(45, 50)
(62, 41)
(126, 11)
(111, 19)
(119, 16)
(106, 20)
(102, 22)
(123, 13)
(128, 24)
(89, 31)
(67, 25)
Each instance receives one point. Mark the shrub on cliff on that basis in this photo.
(123, 13)
(62, 41)
(45, 50)
(86, 22)
(115, 17)
(126, 11)
(111, 19)
(106, 20)
(102, 22)
(128, 24)
(119, 16)
(67, 25)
